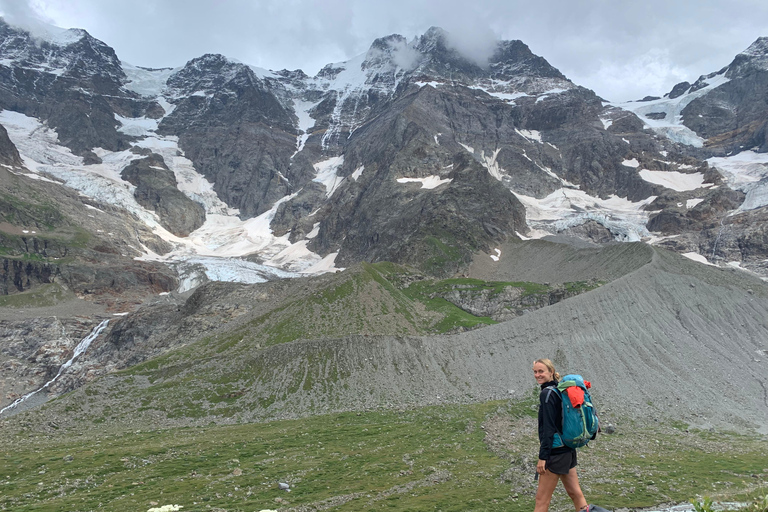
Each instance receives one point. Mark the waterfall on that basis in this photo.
(79, 349)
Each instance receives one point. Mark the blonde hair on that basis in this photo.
(550, 367)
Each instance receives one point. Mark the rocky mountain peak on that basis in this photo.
(433, 39)
(9, 155)
(514, 58)
(754, 58)
(443, 59)
(504, 66)
(206, 74)
(71, 52)
(391, 53)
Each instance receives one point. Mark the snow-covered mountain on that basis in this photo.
(411, 152)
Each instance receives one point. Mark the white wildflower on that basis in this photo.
(166, 508)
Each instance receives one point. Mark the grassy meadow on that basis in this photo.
(477, 457)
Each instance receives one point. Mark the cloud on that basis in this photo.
(21, 14)
(474, 40)
(405, 57)
(648, 74)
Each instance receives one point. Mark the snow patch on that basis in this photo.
(146, 82)
(306, 122)
(489, 162)
(566, 208)
(674, 180)
(326, 174)
(136, 126)
(530, 135)
(315, 231)
(631, 163)
(429, 182)
(358, 172)
(551, 92)
(671, 124)
(748, 172)
(327, 264)
(697, 257)
(432, 84)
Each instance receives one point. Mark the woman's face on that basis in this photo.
(541, 373)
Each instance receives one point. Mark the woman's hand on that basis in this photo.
(541, 467)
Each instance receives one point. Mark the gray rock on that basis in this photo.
(156, 190)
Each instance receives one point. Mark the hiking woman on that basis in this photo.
(555, 463)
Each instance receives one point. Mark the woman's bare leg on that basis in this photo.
(572, 487)
(547, 483)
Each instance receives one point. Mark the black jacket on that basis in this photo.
(550, 420)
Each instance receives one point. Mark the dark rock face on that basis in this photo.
(733, 115)
(75, 86)
(9, 155)
(19, 275)
(739, 238)
(238, 134)
(156, 190)
(674, 220)
(437, 231)
(591, 231)
(679, 89)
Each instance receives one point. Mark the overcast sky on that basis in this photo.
(621, 49)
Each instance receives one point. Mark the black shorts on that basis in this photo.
(562, 463)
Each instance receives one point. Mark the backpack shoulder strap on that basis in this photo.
(551, 389)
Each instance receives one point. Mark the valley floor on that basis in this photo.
(450, 458)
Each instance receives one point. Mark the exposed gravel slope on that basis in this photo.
(672, 339)
(542, 261)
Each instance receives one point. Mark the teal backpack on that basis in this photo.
(580, 422)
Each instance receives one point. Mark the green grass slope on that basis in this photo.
(453, 458)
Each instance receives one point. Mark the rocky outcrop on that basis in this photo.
(733, 116)
(740, 239)
(675, 218)
(33, 350)
(507, 302)
(156, 190)
(46, 238)
(236, 132)
(18, 275)
(9, 155)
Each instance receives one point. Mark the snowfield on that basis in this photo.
(214, 251)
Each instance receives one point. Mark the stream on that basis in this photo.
(79, 349)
